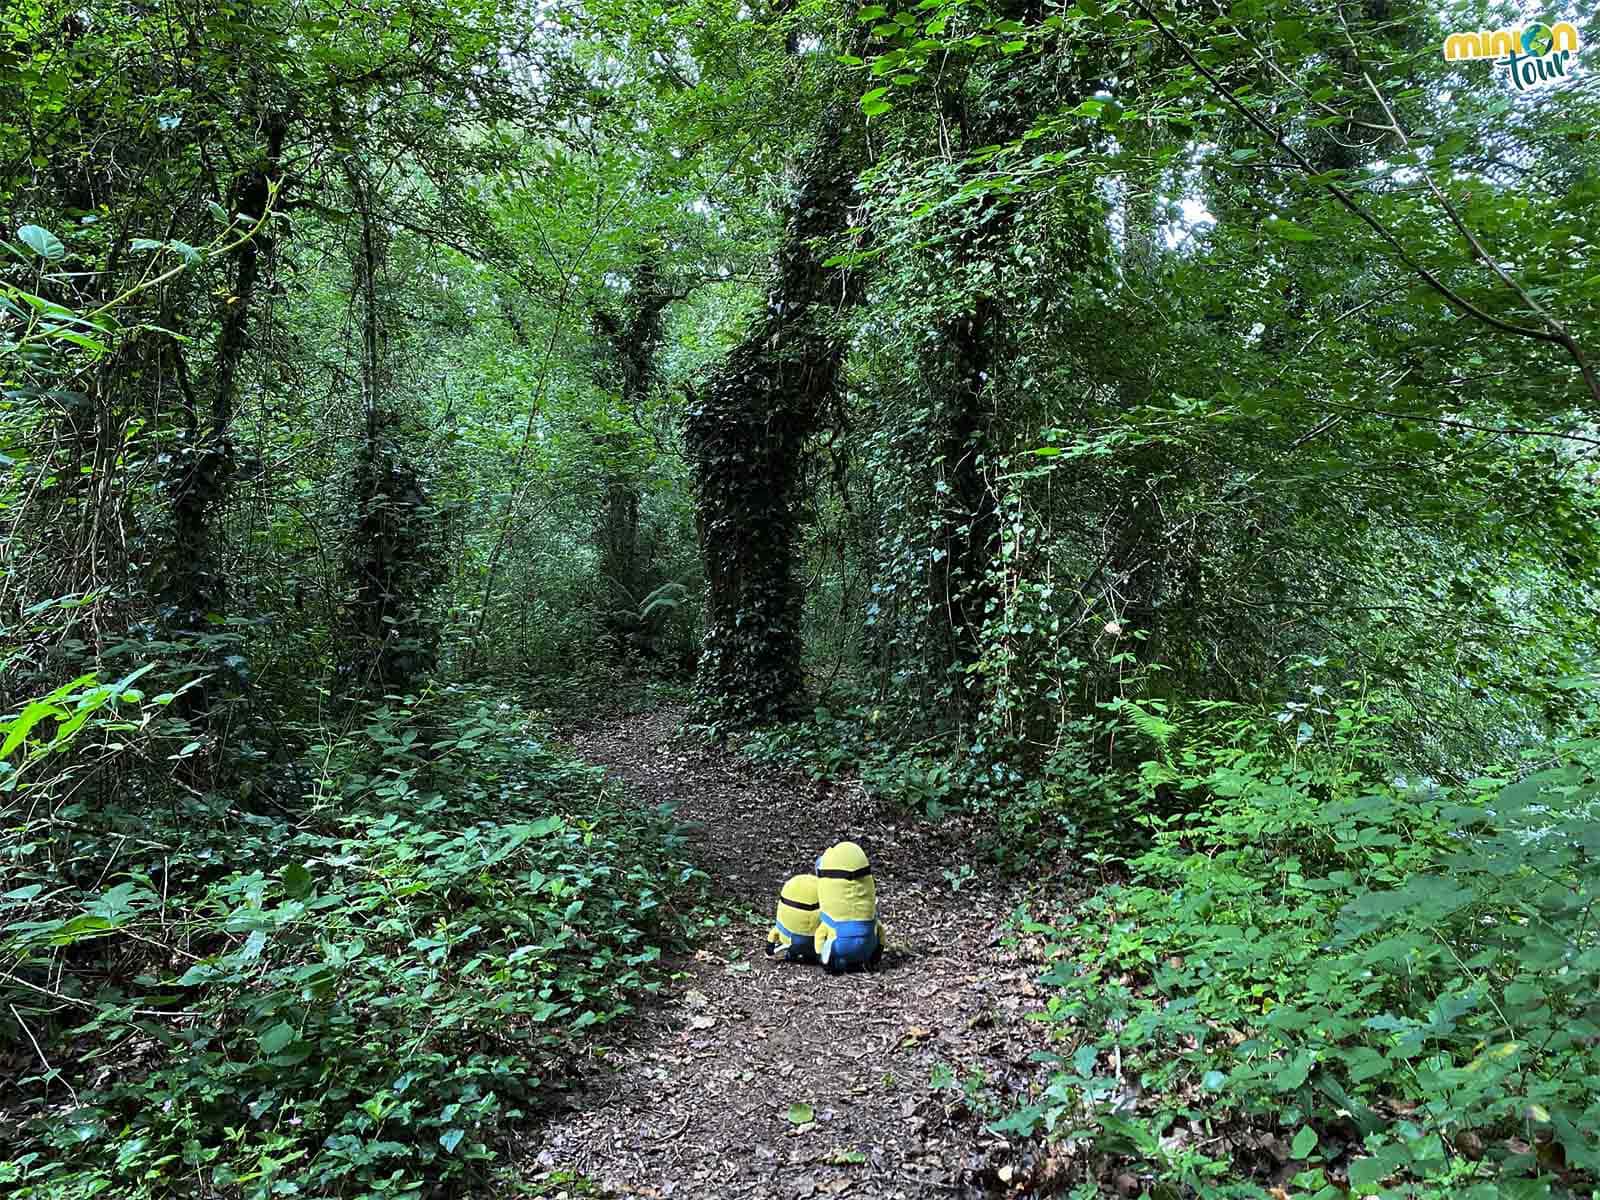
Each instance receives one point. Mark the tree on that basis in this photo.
(745, 434)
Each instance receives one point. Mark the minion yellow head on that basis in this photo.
(845, 888)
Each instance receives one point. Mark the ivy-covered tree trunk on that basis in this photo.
(967, 518)
(194, 586)
(393, 565)
(958, 367)
(746, 432)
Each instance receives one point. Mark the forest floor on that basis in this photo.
(753, 1078)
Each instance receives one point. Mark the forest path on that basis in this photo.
(697, 1100)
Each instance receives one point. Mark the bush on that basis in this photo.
(1325, 982)
(352, 996)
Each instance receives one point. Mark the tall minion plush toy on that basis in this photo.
(793, 933)
(848, 931)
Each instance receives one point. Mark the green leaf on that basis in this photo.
(197, 974)
(451, 1138)
(42, 242)
(1304, 1142)
(23, 725)
(1023, 1121)
(296, 881)
(82, 926)
(800, 1114)
(1367, 1172)
(873, 103)
(1289, 231)
(276, 1038)
(545, 826)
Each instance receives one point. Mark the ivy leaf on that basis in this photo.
(451, 1138)
(42, 242)
(800, 1114)
(1304, 1142)
(1023, 1121)
(1365, 1172)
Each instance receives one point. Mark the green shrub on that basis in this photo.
(352, 995)
(1399, 984)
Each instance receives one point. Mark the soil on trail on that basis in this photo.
(899, 1070)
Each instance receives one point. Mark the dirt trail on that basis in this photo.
(697, 1101)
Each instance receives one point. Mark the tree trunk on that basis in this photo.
(194, 587)
(629, 369)
(745, 434)
(394, 560)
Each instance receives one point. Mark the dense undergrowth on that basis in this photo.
(352, 983)
(1342, 983)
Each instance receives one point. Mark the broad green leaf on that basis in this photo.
(276, 1038)
(296, 881)
(873, 103)
(42, 242)
(23, 725)
(1289, 231)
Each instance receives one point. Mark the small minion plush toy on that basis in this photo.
(848, 931)
(793, 932)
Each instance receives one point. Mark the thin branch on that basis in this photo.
(1556, 327)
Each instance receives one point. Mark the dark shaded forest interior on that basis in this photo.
(784, 599)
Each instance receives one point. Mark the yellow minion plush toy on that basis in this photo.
(848, 931)
(793, 932)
